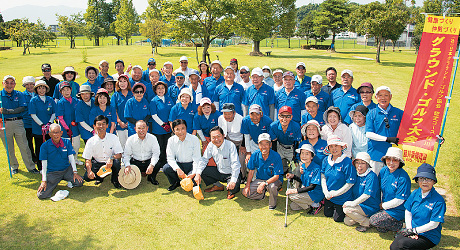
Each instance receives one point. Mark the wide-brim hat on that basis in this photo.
(335, 140)
(69, 69)
(93, 68)
(367, 85)
(186, 184)
(304, 127)
(85, 89)
(364, 156)
(41, 83)
(131, 179)
(427, 171)
(306, 146)
(394, 152)
(63, 85)
(28, 79)
(329, 110)
(187, 91)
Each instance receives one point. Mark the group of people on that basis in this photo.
(259, 128)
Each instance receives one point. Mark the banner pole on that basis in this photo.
(447, 104)
(6, 139)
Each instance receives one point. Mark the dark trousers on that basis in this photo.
(211, 175)
(53, 179)
(38, 143)
(30, 142)
(402, 242)
(162, 142)
(333, 210)
(143, 165)
(97, 165)
(172, 174)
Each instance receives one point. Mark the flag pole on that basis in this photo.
(449, 97)
(6, 140)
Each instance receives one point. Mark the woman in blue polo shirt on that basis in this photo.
(102, 107)
(425, 209)
(122, 94)
(184, 109)
(205, 119)
(28, 83)
(337, 178)
(309, 195)
(82, 110)
(137, 108)
(395, 186)
(42, 110)
(366, 194)
(65, 112)
(91, 74)
(311, 135)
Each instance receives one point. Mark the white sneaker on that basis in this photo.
(78, 162)
(69, 184)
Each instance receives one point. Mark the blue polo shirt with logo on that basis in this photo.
(137, 111)
(200, 122)
(295, 99)
(57, 157)
(211, 83)
(161, 109)
(233, 95)
(312, 175)
(43, 110)
(178, 112)
(337, 176)
(324, 99)
(266, 169)
(264, 97)
(254, 130)
(344, 100)
(303, 86)
(394, 185)
(291, 136)
(369, 185)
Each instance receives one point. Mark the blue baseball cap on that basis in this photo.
(151, 61)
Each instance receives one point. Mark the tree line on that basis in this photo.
(202, 21)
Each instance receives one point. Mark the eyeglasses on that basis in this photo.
(244, 72)
(285, 116)
(301, 67)
(424, 179)
(47, 70)
(387, 123)
(138, 92)
(365, 92)
(180, 77)
(183, 62)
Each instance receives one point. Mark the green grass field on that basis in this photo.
(151, 217)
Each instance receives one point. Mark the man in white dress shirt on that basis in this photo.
(142, 150)
(228, 166)
(182, 153)
(102, 149)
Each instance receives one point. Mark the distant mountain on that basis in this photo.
(33, 13)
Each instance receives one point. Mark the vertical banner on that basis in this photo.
(425, 105)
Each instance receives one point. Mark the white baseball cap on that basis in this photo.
(264, 137)
(183, 58)
(216, 62)
(27, 79)
(168, 63)
(382, 88)
(306, 146)
(103, 61)
(9, 77)
(278, 71)
(266, 67)
(311, 99)
(347, 71)
(257, 71)
(317, 78)
(300, 64)
(137, 67)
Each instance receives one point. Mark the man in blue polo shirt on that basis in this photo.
(103, 72)
(324, 99)
(302, 81)
(382, 125)
(269, 173)
(366, 90)
(151, 64)
(58, 163)
(229, 92)
(174, 90)
(168, 76)
(346, 96)
(290, 96)
(260, 93)
(136, 77)
(216, 79)
(287, 135)
(252, 126)
(13, 105)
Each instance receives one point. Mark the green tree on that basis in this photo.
(333, 18)
(304, 10)
(11, 27)
(257, 20)
(306, 27)
(288, 21)
(115, 6)
(153, 10)
(400, 16)
(2, 28)
(203, 20)
(31, 34)
(98, 17)
(125, 25)
(71, 27)
(154, 30)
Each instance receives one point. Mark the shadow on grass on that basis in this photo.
(448, 242)
(171, 54)
(398, 64)
(20, 232)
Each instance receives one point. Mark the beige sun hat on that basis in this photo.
(364, 156)
(130, 180)
(41, 83)
(394, 152)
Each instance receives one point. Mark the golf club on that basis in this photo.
(287, 200)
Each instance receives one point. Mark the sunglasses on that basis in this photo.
(244, 72)
(180, 77)
(47, 70)
(300, 67)
(424, 179)
(387, 123)
(138, 92)
(365, 92)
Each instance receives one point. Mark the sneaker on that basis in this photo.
(14, 171)
(318, 209)
(69, 184)
(78, 162)
(311, 210)
(361, 228)
(34, 171)
(271, 207)
(98, 182)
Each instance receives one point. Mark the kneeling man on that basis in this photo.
(58, 163)
(228, 167)
(269, 173)
(102, 149)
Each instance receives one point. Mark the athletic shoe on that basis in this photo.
(214, 188)
(14, 171)
(271, 207)
(361, 228)
(34, 171)
(69, 184)
(318, 209)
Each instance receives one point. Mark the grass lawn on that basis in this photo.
(151, 217)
